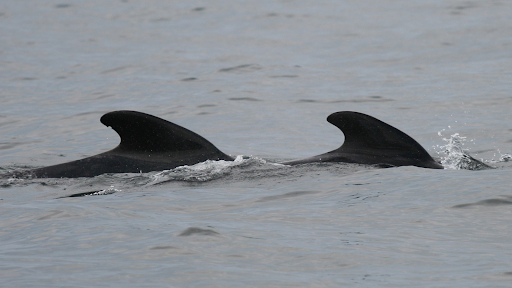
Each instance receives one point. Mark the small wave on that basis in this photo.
(9, 182)
(457, 158)
(503, 158)
(506, 200)
(199, 231)
(107, 191)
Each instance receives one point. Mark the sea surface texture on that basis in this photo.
(258, 79)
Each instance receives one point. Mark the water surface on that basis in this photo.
(257, 78)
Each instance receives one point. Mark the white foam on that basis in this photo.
(458, 158)
(107, 191)
(204, 171)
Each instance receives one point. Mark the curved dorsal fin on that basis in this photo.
(146, 133)
(365, 133)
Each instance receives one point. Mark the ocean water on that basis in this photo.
(257, 79)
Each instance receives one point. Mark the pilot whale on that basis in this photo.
(149, 143)
(371, 141)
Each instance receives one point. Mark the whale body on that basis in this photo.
(371, 141)
(149, 143)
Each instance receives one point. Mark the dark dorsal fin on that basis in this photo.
(365, 133)
(146, 133)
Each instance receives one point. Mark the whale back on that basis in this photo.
(148, 143)
(371, 141)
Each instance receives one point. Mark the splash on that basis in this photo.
(107, 191)
(205, 171)
(457, 158)
(505, 158)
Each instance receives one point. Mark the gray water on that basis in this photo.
(258, 79)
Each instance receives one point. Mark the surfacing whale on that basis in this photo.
(149, 143)
(371, 141)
